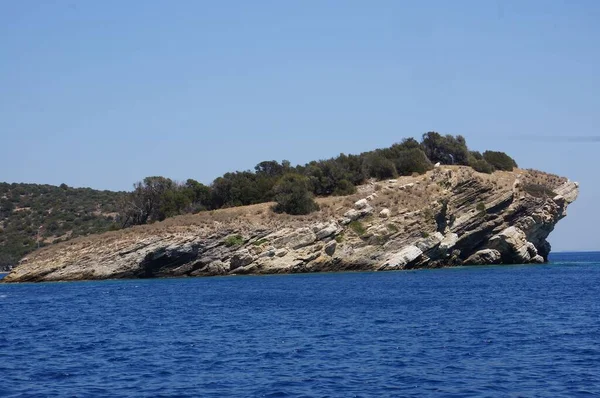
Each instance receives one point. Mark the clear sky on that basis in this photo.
(104, 93)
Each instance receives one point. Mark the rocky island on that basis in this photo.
(448, 216)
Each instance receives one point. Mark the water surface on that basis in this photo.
(473, 331)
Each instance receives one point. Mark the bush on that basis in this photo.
(343, 188)
(445, 149)
(539, 191)
(379, 167)
(481, 166)
(500, 160)
(293, 195)
(357, 227)
(234, 240)
(413, 161)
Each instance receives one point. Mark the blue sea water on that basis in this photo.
(520, 331)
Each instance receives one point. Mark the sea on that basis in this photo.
(494, 331)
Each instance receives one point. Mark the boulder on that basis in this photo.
(538, 260)
(281, 252)
(448, 242)
(296, 239)
(430, 242)
(484, 257)
(330, 248)
(361, 204)
(385, 213)
(402, 258)
(327, 231)
(512, 245)
(241, 258)
(354, 214)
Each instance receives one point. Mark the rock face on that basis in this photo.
(449, 216)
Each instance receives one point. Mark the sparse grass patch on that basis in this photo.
(539, 191)
(260, 242)
(234, 240)
(357, 227)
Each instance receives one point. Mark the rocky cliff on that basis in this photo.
(449, 216)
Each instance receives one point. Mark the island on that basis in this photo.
(448, 216)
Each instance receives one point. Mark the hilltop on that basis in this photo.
(62, 213)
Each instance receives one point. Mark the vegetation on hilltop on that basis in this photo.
(61, 212)
(157, 198)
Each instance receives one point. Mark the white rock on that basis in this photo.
(448, 242)
(400, 259)
(361, 204)
(484, 257)
(385, 213)
(438, 164)
(327, 231)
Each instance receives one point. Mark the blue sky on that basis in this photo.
(104, 93)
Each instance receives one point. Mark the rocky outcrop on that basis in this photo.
(449, 216)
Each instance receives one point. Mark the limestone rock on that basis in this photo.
(430, 242)
(330, 248)
(353, 214)
(240, 259)
(512, 245)
(385, 213)
(448, 242)
(327, 231)
(484, 257)
(361, 204)
(402, 258)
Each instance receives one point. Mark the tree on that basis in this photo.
(411, 161)
(445, 149)
(146, 202)
(293, 195)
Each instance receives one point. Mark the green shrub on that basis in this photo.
(412, 161)
(293, 195)
(377, 166)
(343, 188)
(357, 227)
(234, 240)
(500, 160)
(480, 206)
(539, 191)
(260, 242)
(481, 166)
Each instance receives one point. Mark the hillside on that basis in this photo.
(62, 213)
(451, 215)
